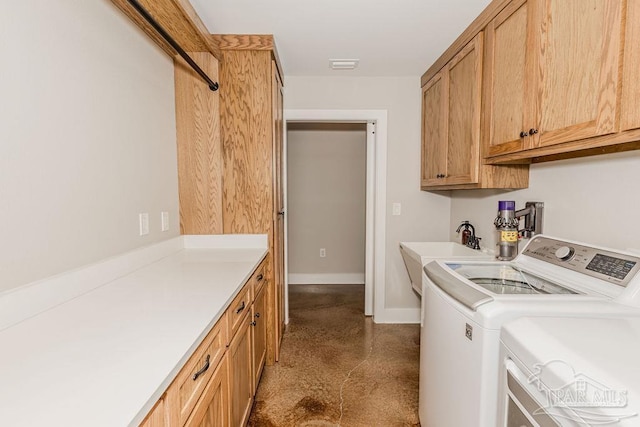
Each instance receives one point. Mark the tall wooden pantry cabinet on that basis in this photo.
(251, 130)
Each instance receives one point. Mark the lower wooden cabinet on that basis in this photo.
(240, 373)
(216, 386)
(189, 385)
(212, 410)
(259, 335)
(157, 417)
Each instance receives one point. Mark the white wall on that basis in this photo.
(326, 203)
(591, 199)
(87, 137)
(425, 216)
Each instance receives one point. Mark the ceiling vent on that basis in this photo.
(344, 64)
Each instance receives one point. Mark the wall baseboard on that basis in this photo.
(398, 316)
(327, 279)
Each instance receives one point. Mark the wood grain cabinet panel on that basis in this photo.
(278, 211)
(552, 81)
(434, 131)
(189, 385)
(199, 147)
(259, 336)
(252, 132)
(452, 150)
(212, 410)
(157, 417)
(630, 109)
(463, 114)
(506, 78)
(240, 373)
(580, 56)
(451, 120)
(239, 308)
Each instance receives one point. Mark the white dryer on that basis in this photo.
(570, 372)
(464, 305)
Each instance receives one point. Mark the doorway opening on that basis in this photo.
(373, 124)
(326, 202)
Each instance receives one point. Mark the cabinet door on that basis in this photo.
(259, 311)
(240, 374)
(434, 131)
(630, 109)
(580, 54)
(157, 417)
(463, 114)
(509, 69)
(278, 197)
(212, 410)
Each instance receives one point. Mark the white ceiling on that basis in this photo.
(389, 37)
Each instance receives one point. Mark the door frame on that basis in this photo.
(376, 195)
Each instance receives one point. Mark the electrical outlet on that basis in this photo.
(397, 209)
(144, 224)
(164, 219)
(323, 252)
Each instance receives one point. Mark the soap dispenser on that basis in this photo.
(466, 233)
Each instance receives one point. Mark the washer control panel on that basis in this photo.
(603, 264)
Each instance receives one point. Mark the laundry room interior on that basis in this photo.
(337, 214)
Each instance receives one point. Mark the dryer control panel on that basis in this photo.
(614, 267)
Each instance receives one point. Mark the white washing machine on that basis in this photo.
(464, 305)
(570, 372)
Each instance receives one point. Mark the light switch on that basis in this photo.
(397, 209)
(164, 219)
(144, 224)
(323, 252)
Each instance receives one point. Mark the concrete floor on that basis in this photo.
(338, 368)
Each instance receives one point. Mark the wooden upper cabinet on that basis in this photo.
(463, 114)
(506, 78)
(434, 131)
(552, 73)
(630, 108)
(452, 149)
(580, 55)
(451, 120)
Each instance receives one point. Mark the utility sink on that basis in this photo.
(418, 254)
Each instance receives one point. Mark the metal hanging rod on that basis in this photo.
(143, 12)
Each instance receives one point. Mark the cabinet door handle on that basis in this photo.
(253, 323)
(257, 315)
(260, 277)
(242, 306)
(533, 131)
(523, 134)
(203, 370)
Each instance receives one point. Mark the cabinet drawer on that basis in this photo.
(240, 306)
(194, 377)
(213, 407)
(259, 278)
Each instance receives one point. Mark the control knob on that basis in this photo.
(565, 253)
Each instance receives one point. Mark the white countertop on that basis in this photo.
(103, 358)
